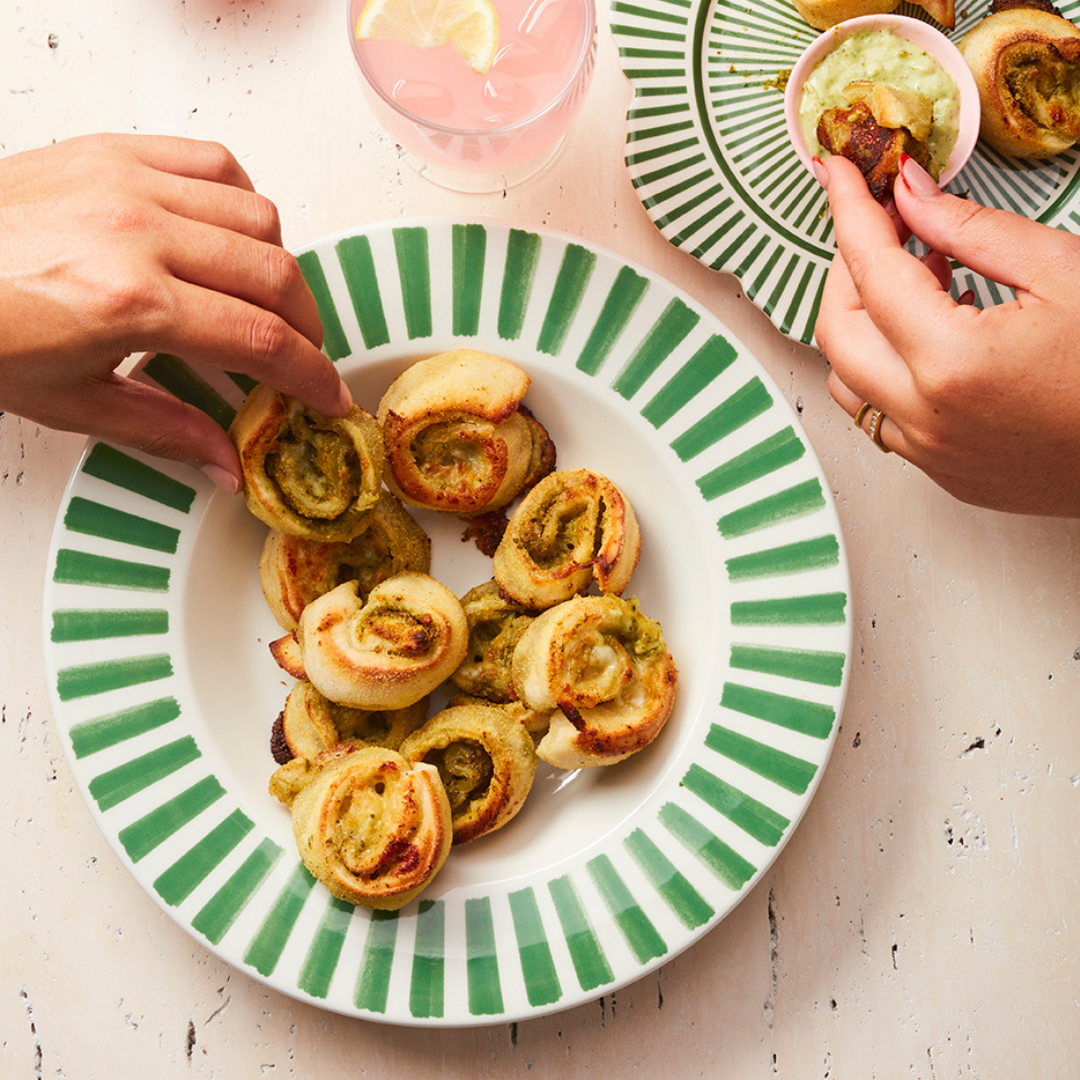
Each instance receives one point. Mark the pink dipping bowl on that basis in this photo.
(927, 38)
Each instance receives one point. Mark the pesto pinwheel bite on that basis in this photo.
(386, 652)
(310, 723)
(575, 527)
(371, 826)
(304, 473)
(495, 624)
(485, 759)
(602, 669)
(1026, 63)
(456, 439)
(294, 571)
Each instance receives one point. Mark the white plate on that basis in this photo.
(165, 693)
(710, 159)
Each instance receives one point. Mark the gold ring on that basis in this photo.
(873, 431)
(864, 408)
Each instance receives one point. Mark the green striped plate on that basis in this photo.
(709, 156)
(165, 692)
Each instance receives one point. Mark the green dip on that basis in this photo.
(882, 57)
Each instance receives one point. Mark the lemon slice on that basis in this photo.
(470, 27)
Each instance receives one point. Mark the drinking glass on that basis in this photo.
(484, 133)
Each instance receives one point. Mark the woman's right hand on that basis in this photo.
(986, 402)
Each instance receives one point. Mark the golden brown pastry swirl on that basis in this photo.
(486, 760)
(304, 473)
(1026, 63)
(371, 826)
(604, 668)
(386, 652)
(310, 723)
(456, 439)
(294, 570)
(573, 527)
(495, 624)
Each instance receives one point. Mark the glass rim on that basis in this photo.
(587, 46)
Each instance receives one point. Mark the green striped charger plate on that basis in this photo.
(709, 155)
(164, 690)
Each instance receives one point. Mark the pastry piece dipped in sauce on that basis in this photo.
(604, 671)
(573, 528)
(876, 96)
(294, 571)
(386, 652)
(310, 723)
(876, 140)
(370, 825)
(456, 437)
(1026, 63)
(304, 473)
(486, 760)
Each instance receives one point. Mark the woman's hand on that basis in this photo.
(987, 403)
(111, 245)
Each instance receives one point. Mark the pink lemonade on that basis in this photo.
(436, 106)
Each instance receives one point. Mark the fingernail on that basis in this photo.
(917, 180)
(966, 297)
(345, 400)
(821, 174)
(228, 482)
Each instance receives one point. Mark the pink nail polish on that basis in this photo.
(917, 180)
(821, 174)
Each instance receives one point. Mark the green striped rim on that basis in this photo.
(96, 519)
(786, 770)
(541, 977)
(156, 826)
(215, 918)
(84, 568)
(265, 948)
(116, 785)
(335, 341)
(729, 867)
(427, 990)
(122, 470)
(372, 989)
(98, 623)
(180, 880)
(795, 714)
(322, 957)
(101, 676)
(91, 736)
(591, 964)
(174, 375)
(688, 905)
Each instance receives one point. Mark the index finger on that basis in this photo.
(901, 295)
(196, 159)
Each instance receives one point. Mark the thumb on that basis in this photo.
(1004, 247)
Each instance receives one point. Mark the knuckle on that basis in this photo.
(939, 386)
(263, 222)
(219, 162)
(119, 216)
(282, 271)
(268, 340)
(125, 301)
